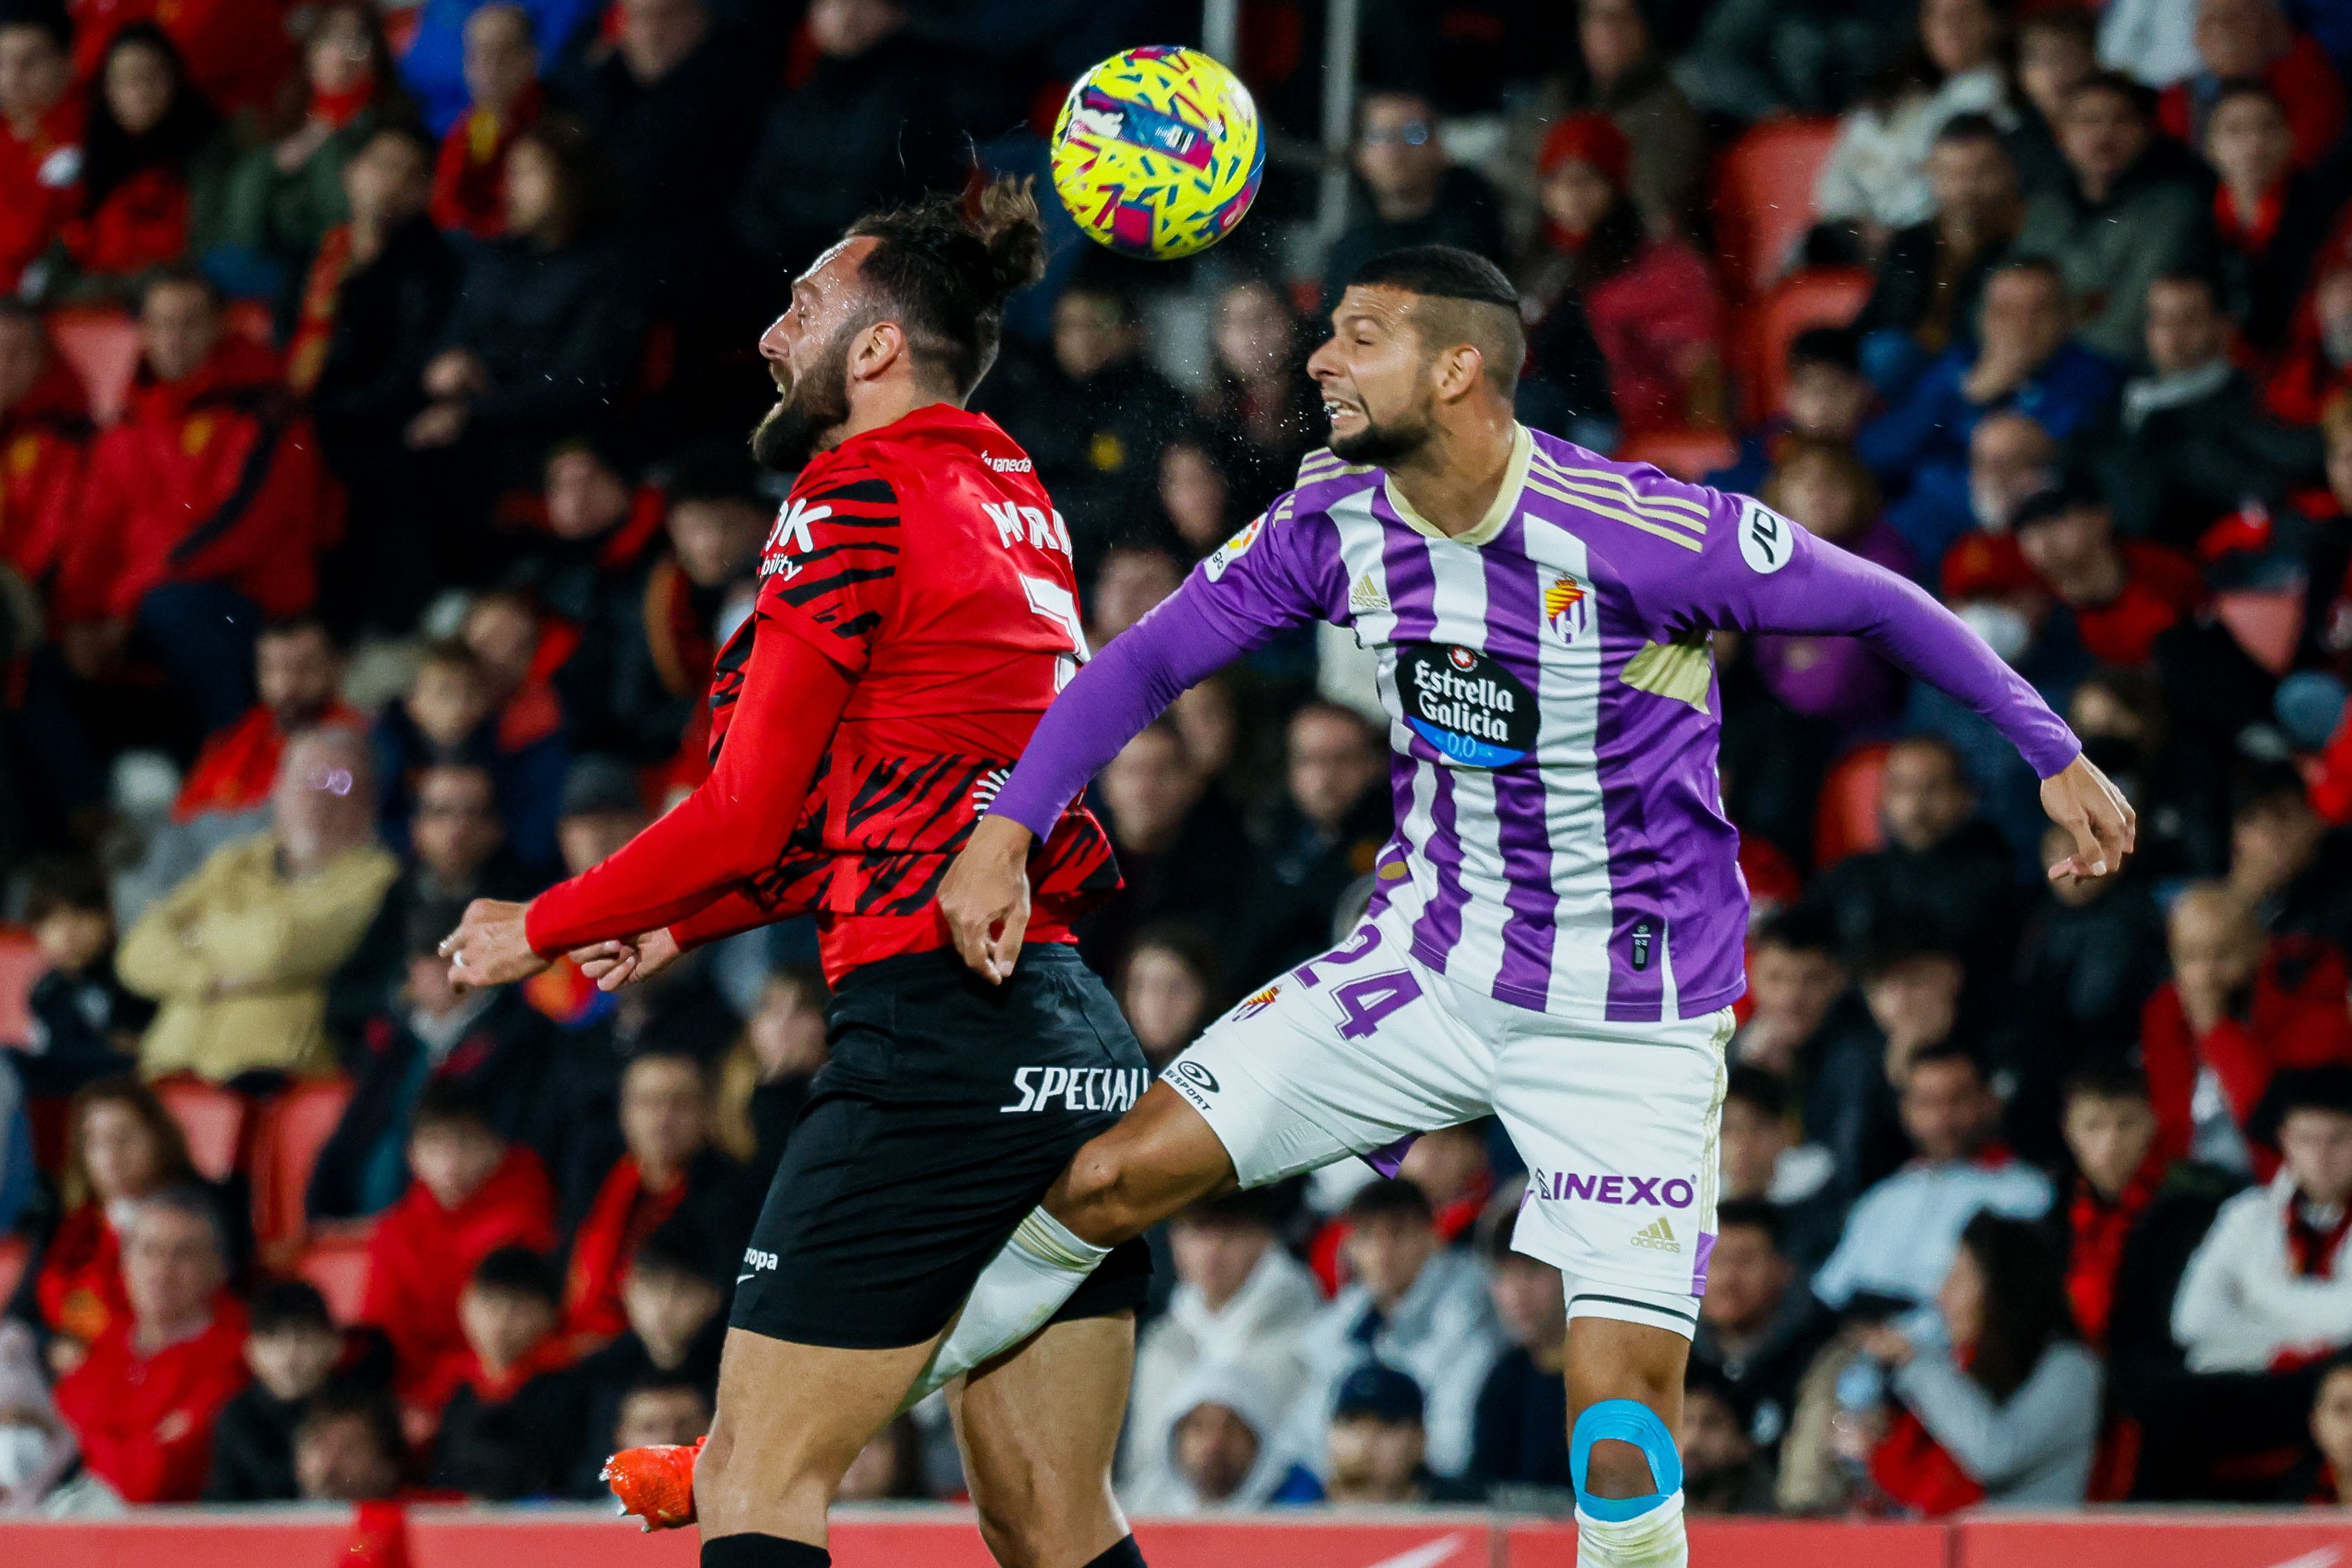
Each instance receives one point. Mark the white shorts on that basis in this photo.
(1618, 1122)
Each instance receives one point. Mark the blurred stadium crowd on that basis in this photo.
(372, 379)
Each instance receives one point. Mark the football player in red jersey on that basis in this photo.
(916, 615)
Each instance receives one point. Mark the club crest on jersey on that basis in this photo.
(1233, 549)
(1256, 1004)
(1469, 707)
(1567, 607)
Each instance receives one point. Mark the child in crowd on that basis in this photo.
(513, 1412)
(676, 1327)
(85, 1026)
(655, 1411)
(1376, 1449)
(473, 1194)
(291, 1346)
(348, 1448)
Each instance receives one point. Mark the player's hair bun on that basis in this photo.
(1010, 228)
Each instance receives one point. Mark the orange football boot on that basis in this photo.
(656, 1483)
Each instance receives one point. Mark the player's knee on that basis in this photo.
(1100, 1197)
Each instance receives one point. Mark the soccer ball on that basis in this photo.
(1157, 152)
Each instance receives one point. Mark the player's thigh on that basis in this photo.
(790, 1420)
(1039, 1429)
(1620, 1125)
(1346, 1055)
(1162, 1156)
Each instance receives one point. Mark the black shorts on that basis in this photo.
(947, 1110)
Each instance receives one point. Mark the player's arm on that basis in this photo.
(1208, 622)
(729, 830)
(1760, 572)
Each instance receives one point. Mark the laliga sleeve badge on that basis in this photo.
(1233, 549)
(1766, 538)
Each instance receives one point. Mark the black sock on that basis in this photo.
(1126, 1554)
(765, 1552)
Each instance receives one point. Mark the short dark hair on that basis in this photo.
(1752, 1085)
(410, 132)
(298, 624)
(944, 274)
(1752, 1211)
(60, 883)
(2077, 22)
(1836, 347)
(2134, 92)
(446, 1102)
(520, 1271)
(180, 276)
(1951, 1050)
(1483, 311)
(44, 15)
(2244, 86)
(2262, 785)
(2323, 1088)
(1382, 1197)
(2108, 1076)
(371, 1408)
(677, 1249)
(1891, 950)
(2040, 266)
(288, 1306)
(1254, 1207)
(1970, 126)
(715, 472)
(1801, 928)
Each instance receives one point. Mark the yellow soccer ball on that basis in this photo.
(1157, 152)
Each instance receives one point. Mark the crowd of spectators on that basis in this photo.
(394, 573)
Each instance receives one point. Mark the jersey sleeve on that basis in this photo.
(1739, 565)
(829, 574)
(1256, 585)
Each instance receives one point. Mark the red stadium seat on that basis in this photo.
(1845, 819)
(212, 1118)
(1817, 297)
(21, 963)
(103, 346)
(1764, 197)
(1685, 453)
(338, 1265)
(285, 1143)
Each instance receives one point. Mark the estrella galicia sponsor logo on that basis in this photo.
(1465, 704)
(1766, 538)
(1631, 1191)
(1077, 1088)
(1191, 1080)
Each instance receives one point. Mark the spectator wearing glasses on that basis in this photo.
(1416, 195)
(240, 954)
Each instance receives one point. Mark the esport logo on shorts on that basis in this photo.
(1191, 1080)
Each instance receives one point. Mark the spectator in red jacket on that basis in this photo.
(670, 1172)
(2111, 1132)
(40, 138)
(297, 671)
(2252, 40)
(469, 179)
(204, 511)
(2240, 1007)
(473, 1194)
(143, 1401)
(154, 154)
(121, 1147)
(44, 435)
(2124, 593)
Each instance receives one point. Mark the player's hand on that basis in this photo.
(2087, 803)
(613, 965)
(985, 896)
(490, 947)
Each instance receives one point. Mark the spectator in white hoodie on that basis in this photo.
(1415, 1306)
(1222, 1449)
(2270, 1287)
(1241, 1302)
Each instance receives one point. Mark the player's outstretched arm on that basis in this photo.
(1818, 588)
(731, 828)
(985, 895)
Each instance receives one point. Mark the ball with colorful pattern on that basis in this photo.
(1157, 152)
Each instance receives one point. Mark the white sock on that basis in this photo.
(1026, 1283)
(1655, 1540)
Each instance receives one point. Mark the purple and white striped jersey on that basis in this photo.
(1553, 712)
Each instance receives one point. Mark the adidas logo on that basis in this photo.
(1658, 1236)
(1364, 598)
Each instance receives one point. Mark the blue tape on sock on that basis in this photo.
(1626, 1421)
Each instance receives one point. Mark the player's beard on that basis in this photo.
(806, 413)
(1383, 445)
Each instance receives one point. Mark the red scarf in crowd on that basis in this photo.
(625, 1212)
(1913, 1470)
(2099, 1229)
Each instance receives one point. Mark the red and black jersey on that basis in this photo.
(925, 563)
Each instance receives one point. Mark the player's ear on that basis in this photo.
(1457, 371)
(877, 348)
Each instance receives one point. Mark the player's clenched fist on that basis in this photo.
(2087, 803)
(985, 896)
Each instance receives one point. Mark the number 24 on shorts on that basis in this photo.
(1363, 1000)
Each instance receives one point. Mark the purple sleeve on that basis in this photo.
(1758, 571)
(1235, 601)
